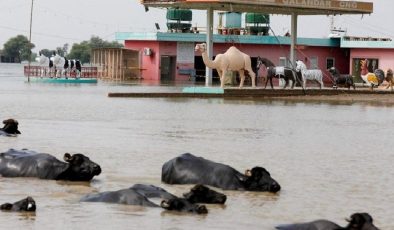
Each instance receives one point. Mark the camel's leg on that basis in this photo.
(253, 76)
(242, 78)
(220, 73)
(224, 72)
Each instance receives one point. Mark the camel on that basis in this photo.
(232, 60)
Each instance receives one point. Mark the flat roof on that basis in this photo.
(300, 7)
(217, 38)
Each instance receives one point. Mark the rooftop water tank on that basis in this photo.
(233, 20)
(179, 20)
(179, 14)
(257, 18)
(257, 23)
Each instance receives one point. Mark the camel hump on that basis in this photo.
(233, 49)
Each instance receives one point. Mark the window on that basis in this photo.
(314, 63)
(330, 62)
(283, 61)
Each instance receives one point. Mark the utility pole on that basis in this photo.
(31, 22)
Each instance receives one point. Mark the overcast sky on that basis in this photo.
(56, 22)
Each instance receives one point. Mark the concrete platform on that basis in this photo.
(251, 93)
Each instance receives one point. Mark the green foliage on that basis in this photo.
(18, 48)
(82, 50)
(47, 52)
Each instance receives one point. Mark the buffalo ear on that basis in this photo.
(67, 157)
(5, 121)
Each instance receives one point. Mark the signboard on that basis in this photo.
(185, 52)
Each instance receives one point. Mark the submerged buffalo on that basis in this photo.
(10, 127)
(189, 169)
(140, 194)
(202, 194)
(183, 205)
(358, 221)
(135, 195)
(27, 163)
(28, 205)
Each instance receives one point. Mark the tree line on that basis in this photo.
(18, 49)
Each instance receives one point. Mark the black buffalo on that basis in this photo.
(135, 195)
(189, 169)
(10, 127)
(140, 194)
(358, 221)
(202, 194)
(28, 204)
(27, 163)
(183, 205)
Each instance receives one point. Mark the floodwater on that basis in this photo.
(331, 159)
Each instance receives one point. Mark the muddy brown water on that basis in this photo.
(331, 159)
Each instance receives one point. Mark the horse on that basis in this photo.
(390, 79)
(276, 72)
(309, 75)
(341, 79)
(371, 79)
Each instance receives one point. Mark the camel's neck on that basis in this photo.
(209, 63)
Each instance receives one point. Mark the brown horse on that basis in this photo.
(390, 79)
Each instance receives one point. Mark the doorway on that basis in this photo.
(167, 68)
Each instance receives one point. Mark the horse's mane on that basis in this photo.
(266, 62)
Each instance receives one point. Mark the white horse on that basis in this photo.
(309, 75)
(58, 62)
(43, 62)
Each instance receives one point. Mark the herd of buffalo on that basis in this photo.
(184, 169)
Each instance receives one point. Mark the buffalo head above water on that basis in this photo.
(28, 205)
(80, 168)
(259, 179)
(10, 126)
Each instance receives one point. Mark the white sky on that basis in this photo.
(56, 22)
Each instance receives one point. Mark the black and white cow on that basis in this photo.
(358, 221)
(189, 169)
(10, 127)
(27, 163)
(28, 204)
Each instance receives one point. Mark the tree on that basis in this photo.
(82, 50)
(47, 52)
(18, 48)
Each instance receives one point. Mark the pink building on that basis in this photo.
(169, 56)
